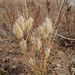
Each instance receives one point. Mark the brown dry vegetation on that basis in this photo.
(61, 60)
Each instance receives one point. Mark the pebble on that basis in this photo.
(14, 59)
(13, 66)
(7, 59)
(19, 62)
(22, 53)
(23, 71)
(73, 69)
(58, 65)
(68, 65)
(4, 33)
(10, 51)
(6, 67)
(16, 51)
(1, 49)
(57, 72)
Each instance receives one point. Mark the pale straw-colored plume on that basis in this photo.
(20, 20)
(29, 24)
(47, 52)
(33, 40)
(17, 31)
(39, 44)
(31, 62)
(23, 44)
(40, 30)
(47, 27)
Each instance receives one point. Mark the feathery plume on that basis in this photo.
(39, 44)
(33, 40)
(29, 24)
(17, 31)
(21, 23)
(47, 27)
(40, 30)
(23, 44)
(47, 52)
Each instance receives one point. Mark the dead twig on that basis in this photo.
(26, 9)
(64, 37)
(57, 19)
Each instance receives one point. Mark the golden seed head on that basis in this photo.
(23, 44)
(39, 44)
(17, 31)
(47, 52)
(33, 40)
(29, 24)
(47, 27)
(40, 30)
(31, 61)
(21, 23)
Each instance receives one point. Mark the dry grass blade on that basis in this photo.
(64, 37)
(57, 18)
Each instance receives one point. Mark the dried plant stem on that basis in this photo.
(45, 62)
(44, 56)
(26, 9)
(57, 1)
(67, 22)
(64, 37)
(23, 13)
(59, 25)
(31, 48)
(57, 18)
(27, 35)
(25, 61)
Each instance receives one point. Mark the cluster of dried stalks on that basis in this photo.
(34, 43)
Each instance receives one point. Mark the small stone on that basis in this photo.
(57, 72)
(1, 49)
(7, 59)
(58, 65)
(3, 33)
(19, 62)
(23, 71)
(13, 66)
(15, 51)
(68, 65)
(73, 69)
(10, 51)
(22, 53)
(6, 67)
(14, 59)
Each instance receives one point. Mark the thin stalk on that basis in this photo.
(26, 9)
(57, 19)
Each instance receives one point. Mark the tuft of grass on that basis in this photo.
(38, 52)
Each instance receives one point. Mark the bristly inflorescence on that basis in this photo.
(17, 31)
(47, 27)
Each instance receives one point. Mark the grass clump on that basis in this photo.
(34, 45)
